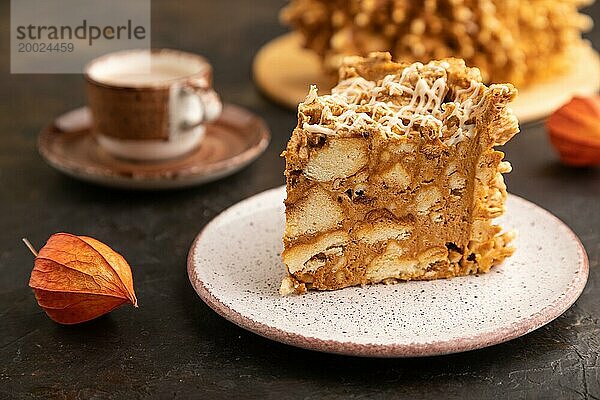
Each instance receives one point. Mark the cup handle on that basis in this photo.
(210, 103)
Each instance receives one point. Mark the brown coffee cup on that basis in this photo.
(150, 104)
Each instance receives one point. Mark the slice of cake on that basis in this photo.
(394, 176)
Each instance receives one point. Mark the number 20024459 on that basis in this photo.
(35, 47)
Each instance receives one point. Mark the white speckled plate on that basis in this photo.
(235, 266)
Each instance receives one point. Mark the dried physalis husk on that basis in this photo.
(574, 131)
(78, 278)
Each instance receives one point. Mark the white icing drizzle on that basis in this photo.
(356, 103)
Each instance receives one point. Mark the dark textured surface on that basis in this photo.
(174, 345)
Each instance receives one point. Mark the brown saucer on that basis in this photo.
(283, 70)
(237, 138)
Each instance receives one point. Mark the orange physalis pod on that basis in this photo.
(78, 278)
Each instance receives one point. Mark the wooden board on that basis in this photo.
(283, 70)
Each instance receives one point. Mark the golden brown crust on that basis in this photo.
(510, 41)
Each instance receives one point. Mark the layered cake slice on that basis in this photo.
(394, 176)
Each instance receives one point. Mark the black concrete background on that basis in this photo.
(174, 345)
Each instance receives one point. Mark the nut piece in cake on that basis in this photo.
(394, 176)
(510, 41)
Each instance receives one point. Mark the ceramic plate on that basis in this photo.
(235, 266)
(233, 141)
